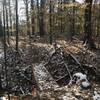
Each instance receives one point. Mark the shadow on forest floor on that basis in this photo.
(40, 54)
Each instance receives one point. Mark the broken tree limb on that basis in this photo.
(68, 71)
(36, 83)
(75, 59)
(22, 90)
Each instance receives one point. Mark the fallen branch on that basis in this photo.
(22, 90)
(75, 59)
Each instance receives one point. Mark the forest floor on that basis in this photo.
(40, 53)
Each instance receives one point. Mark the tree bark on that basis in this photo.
(27, 18)
(50, 20)
(17, 28)
(87, 25)
(42, 24)
(10, 17)
(73, 22)
(7, 26)
(32, 16)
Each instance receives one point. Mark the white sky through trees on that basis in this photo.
(22, 11)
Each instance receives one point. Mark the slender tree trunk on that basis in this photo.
(10, 17)
(0, 85)
(27, 18)
(88, 39)
(7, 26)
(73, 22)
(50, 11)
(87, 17)
(42, 24)
(1, 27)
(38, 14)
(98, 23)
(32, 17)
(1, 31)
(61, 18)
(5, 47)
(4, 39)
(17, 35)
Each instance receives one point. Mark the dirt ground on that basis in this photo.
(49, 89)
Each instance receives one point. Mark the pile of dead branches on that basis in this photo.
(63, 65)
(18, 74)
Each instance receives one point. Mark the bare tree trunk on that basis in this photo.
(50, 11)
(7, 26)
(42, 24)
(73, 22)
(17, 35)
(10, 17)
(27, 18)
(5, 47)
(38, 19)
(61, 18)
(87, 17)
(1, 28)
(1, 41)
(32, 17)
(87, 25)
(0, 84)
(4, 38)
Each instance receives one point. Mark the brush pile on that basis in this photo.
(16, 73)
